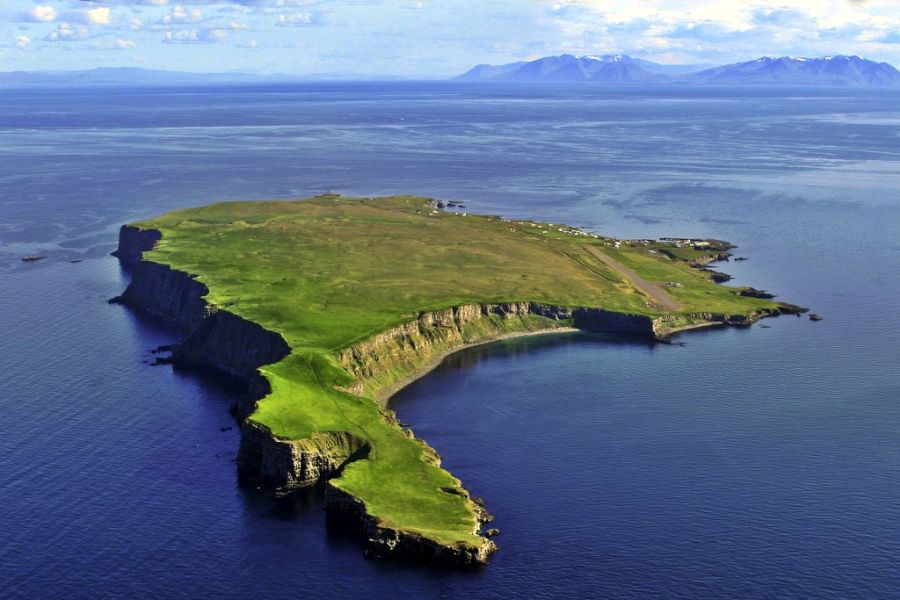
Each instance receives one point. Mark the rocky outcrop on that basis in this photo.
(347, 514)
(133, 242)
(286, 465)
(751, 292)
(748, 319)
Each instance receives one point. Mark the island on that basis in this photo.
(324, 307)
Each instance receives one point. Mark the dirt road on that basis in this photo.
(656, 292)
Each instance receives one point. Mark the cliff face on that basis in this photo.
(220, 340)
(167, 294)
(231, 344)
(348, 515)
(286, 465)
(155, 288)
(598, 320)
(384, 362)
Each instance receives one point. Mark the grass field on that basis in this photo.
(329, 272)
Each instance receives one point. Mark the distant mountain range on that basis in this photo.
(131, 76)
(831, 70)
(117, 76)
(620, 68)
(610, 68)
(566, 68)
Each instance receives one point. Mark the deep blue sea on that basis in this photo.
(755, 463)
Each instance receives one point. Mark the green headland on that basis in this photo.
(330, 274)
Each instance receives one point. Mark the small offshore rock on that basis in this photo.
(224, 429)
(33, 257)
(492, 532)
(815, 317)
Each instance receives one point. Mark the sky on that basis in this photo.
(428, 38)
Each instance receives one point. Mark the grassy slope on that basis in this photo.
(329, 272)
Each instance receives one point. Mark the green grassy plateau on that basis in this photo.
(330, 272)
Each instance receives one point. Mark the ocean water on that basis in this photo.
(758, 463)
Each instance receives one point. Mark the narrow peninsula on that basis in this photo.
(324, 307)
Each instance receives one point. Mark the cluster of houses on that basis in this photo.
(677, 242)
(696, 244)
(687, 243)
(551, 227)
(614, 243)
(576, 232)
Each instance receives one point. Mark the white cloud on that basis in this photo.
(288, 3)
(91, 16)
(124, 44)
(180, 14)
(210, 35)
(444, 37)
(67, 32)
(185, 36)
(713, 29)
(41, 14)
(297, 19)
(97, 16)
(23, 41)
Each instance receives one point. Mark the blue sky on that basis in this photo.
(422, 38)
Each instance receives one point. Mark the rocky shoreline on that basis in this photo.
(220, 340)
(348, 514)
